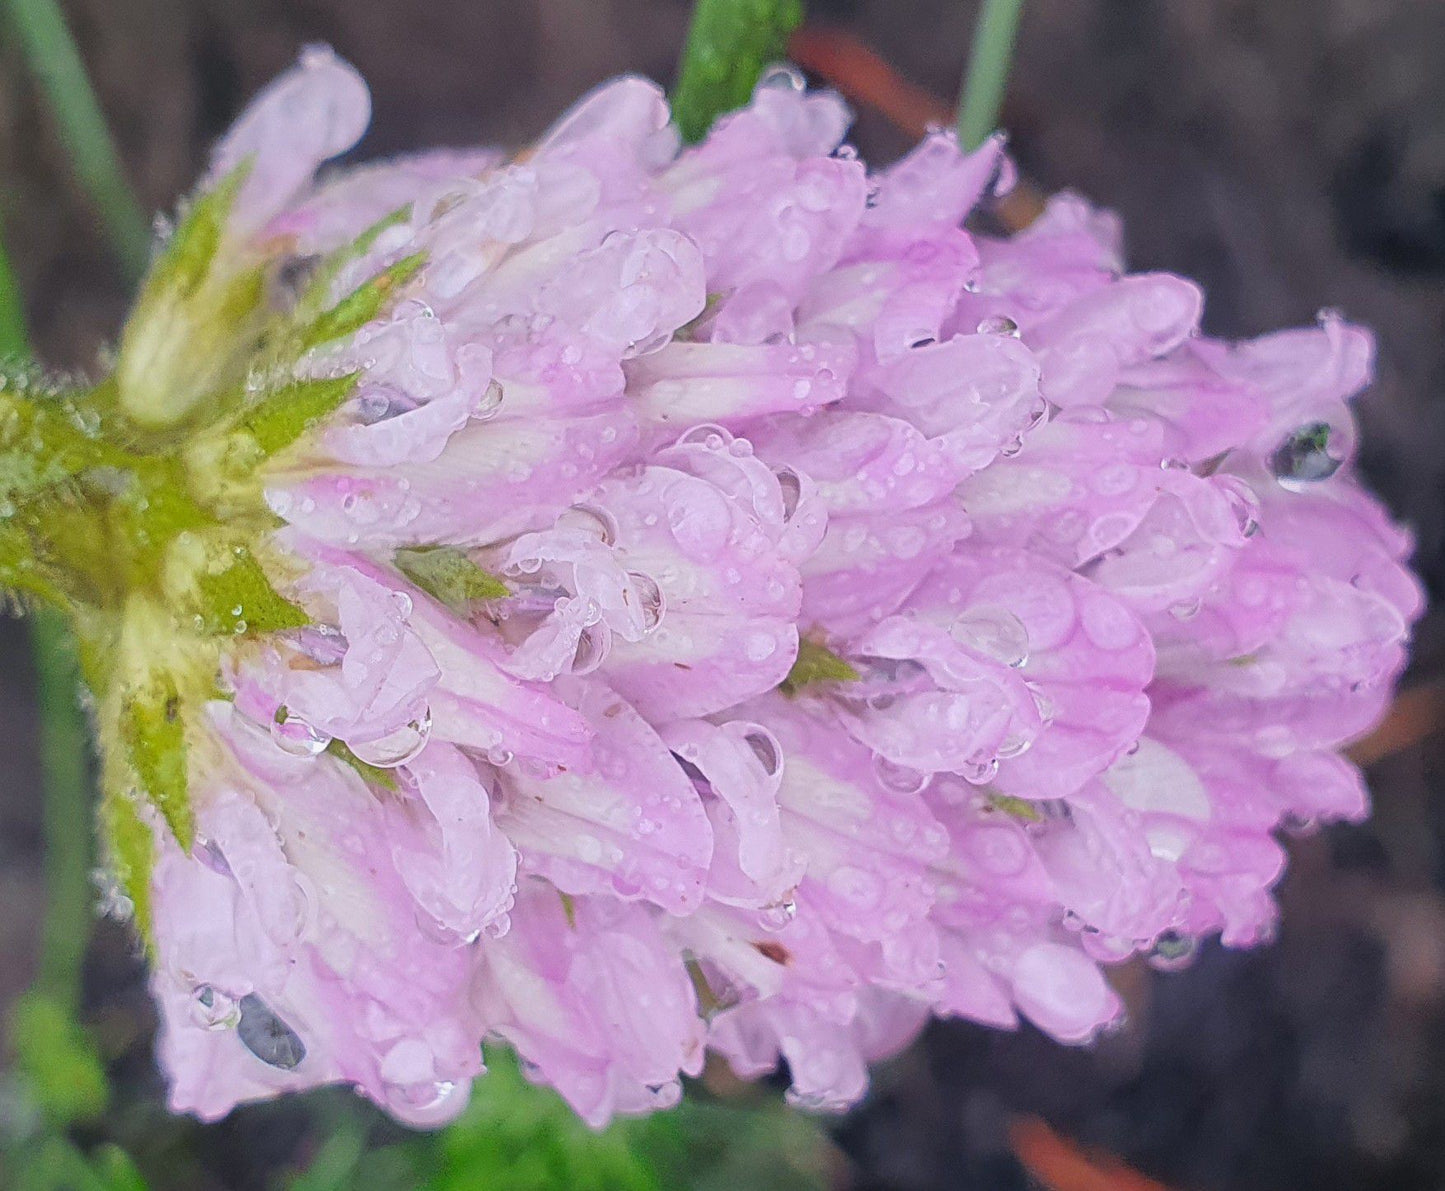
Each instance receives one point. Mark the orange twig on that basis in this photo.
(860, 75)
(1061, 1165)
(1413, 716)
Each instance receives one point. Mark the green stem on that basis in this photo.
(13, 345)
(66, 784)
(729, 43)
(988, 69)
(65, 781)
(41, 28)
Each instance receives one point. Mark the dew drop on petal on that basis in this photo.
(994, 632)
(293, 735)
(1307, 456)
(395, 748)
(213, 1009)
(266, 1036)
(902, 779)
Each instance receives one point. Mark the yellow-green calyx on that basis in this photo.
(136, 506)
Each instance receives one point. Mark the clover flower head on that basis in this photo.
(645, 600)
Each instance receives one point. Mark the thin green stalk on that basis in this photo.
(988, 69)
(13, 344)
(66, 783)
(729, 43)
(51, 52)
(65, 780)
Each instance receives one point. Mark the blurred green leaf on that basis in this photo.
(729, 44)
(57, 1059)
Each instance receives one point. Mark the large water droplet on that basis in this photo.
(779, 914)
(1307, 456)
(650, 603)
(999, 324)
(791, 488)
(765, 748)
(489, 403)
(395, 748)
(266, 1036)
(900, 778)
(994, 632)
(592, 647)
(979, 771)
(1173, 950)
(592, 519)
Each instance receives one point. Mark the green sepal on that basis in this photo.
(816, 663)
(569, 908)
(729, 44)
(192, 248)
(58, 1060)
(1019, 808)
(315, 298)
(46, 439)
(361, 305)
(198, 321)
(374, 774)
(131, 851)
(240, 599)
(448, 574)
(285, 414)
(153, 729)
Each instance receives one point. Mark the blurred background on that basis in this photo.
(1290, 155)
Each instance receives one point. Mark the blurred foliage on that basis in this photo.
(729, 44)
(525, 1138)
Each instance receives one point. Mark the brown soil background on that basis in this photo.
(1290, 154)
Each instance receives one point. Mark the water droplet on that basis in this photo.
(900, 778)
(293, 735)
(779, 914)
(994, 632)
(783, 76)
(650, 602)
(1185, 609)
(591, 519)
(1172, 951)
(766, 748)
(266, 1036)
(979, 771)
(395, 748)
(790, 487)
(1307, 456)
(591, 651)
(490, 402)
(999, 324)
(213, 1009)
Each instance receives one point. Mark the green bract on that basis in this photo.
(136, 506)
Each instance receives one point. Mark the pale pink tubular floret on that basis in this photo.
(1097, 601)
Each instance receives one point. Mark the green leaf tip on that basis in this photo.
(816, 663)
(58, 1060)
(283, 415)
(240, 599)
(729, 44)
(448, 574)
(361, 305)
